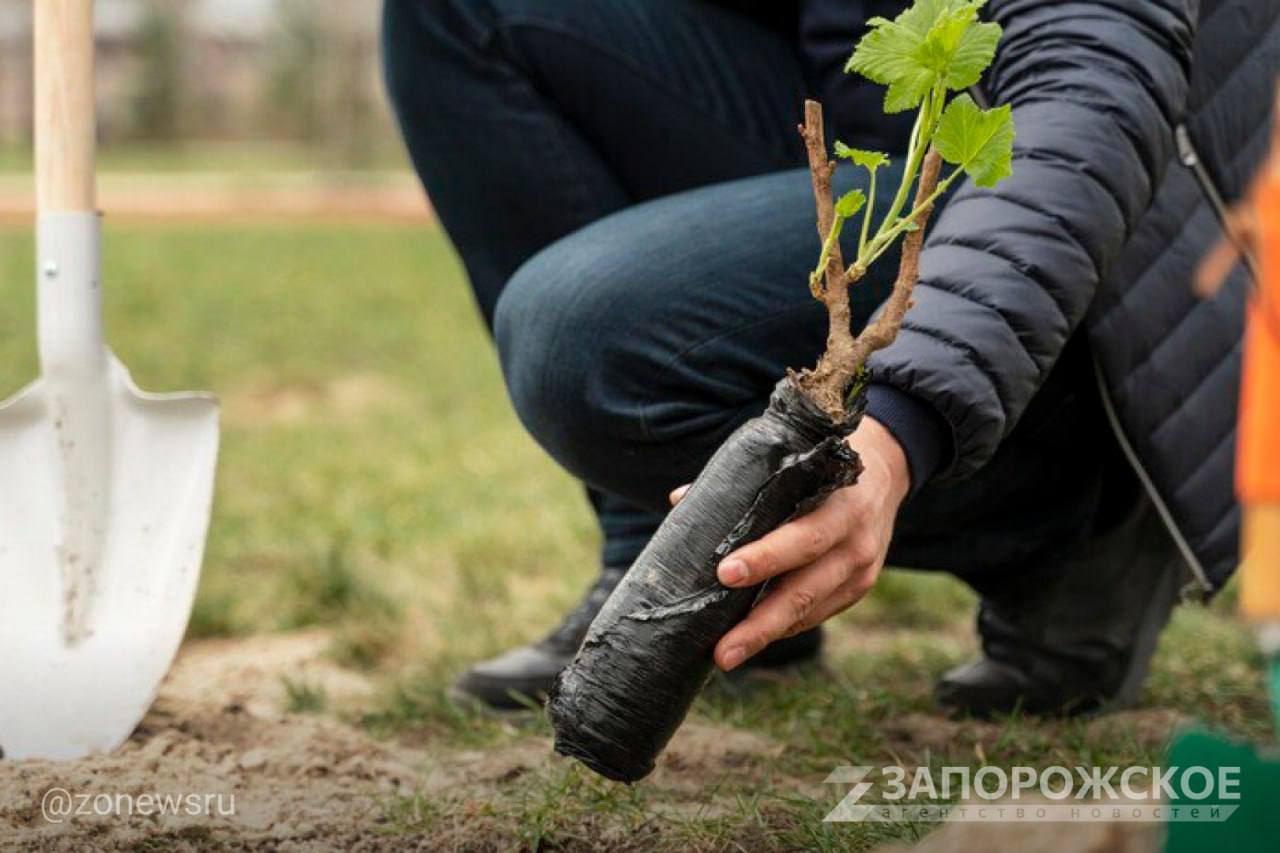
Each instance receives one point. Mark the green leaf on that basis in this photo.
(861, 157)
(850, 203)
(932, 40)
(943, 38)
(920, 16)
(972, 55)
(978, 141)
(887, 55)
(907, 94)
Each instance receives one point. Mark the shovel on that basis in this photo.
(105, 490)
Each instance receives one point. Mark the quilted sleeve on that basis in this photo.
(1007, 274)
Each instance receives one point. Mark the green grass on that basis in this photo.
(379, 495)
(302, 697)
(374, 482)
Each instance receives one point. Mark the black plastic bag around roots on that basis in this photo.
(649, 651)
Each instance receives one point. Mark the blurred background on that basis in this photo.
(267, 106)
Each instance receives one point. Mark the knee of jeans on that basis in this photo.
(563, 359)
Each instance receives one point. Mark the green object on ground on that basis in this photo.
(1275, 691)
(1255, 826)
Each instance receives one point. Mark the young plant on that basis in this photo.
(931, 50)
(649, 651)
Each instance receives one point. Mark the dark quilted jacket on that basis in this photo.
(1101, 224)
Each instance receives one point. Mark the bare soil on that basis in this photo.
(268, 402)
(1039, 838)
(291, 781)
(221, 728)
(215, 197)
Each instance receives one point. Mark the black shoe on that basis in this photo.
(1083, 643)
(523, 676)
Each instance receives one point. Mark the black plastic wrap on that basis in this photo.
(649, 651)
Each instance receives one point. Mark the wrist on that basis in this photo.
(883, 458)
(918, 429)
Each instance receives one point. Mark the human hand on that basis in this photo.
(824, 562)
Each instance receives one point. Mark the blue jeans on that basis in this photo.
(625, 184)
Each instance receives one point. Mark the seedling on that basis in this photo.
(649, 651)
(925, 55)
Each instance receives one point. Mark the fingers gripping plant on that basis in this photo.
(649, 651)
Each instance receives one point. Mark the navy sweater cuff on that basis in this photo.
(923, 434)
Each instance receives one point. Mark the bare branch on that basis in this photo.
(827, 381)
(821, 168)
(883, 330)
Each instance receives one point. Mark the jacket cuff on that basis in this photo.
(923, 434)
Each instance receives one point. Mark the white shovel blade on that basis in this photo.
(64, 700)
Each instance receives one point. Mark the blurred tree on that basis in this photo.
(294, 70)
(319, 87)
(160, 84)
(351, 132)
(15, 73)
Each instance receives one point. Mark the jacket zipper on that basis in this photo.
(1201, 587)
(1191, 159)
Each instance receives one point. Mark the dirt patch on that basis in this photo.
(701, 754)
(228, 726)
(1038, 838)
(1145, 727)
(268, 778)
(911, 734)
(219, 730)
(217, 197)
(914, 732)
(275, 403)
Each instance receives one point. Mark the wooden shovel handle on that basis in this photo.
(64, 105)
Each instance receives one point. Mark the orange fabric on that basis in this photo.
(1258, 457)
(1260, 576)
(1258, 460)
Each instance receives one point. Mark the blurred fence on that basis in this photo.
(176, 71)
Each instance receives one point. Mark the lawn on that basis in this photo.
(376, 491)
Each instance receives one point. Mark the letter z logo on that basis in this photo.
(848, 810)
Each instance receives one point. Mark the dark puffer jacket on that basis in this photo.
(1102, 224)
